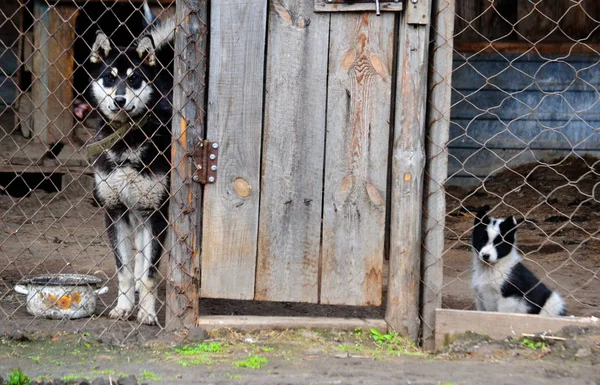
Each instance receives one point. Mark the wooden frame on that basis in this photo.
(249, 323)
(522, 47)
(499, 326)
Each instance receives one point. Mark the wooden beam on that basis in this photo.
(53, 64)
(183, 278)
(235, 97)
(522, 47)
(408, 163)
(499, 326)
(436, 170)
(248, 323)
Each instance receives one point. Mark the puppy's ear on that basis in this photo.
(481, 216)
(511, 222)
(101, 47)
(146, 49)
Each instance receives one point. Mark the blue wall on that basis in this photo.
(515, 109)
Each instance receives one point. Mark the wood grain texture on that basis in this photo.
(408, 162)
(467, 21)
(295, 102)
(499, 326)
(436, 169)
(498, 18)
(418, 13)
(538, 20)
(235, 105)
(324, 6)
(358, 129)
(183, 278)
(250, 323)
(54, 34)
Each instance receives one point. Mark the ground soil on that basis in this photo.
(306, 357)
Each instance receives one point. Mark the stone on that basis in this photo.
(583, 352)
(100, 381)
(129, 380)
(196, 334)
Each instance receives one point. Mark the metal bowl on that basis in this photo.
(61, 295)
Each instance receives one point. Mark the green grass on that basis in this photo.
(17, 377)
(535, 345)
(234, 376)
(204, 347)
(74, 377)
(253, 362)
(150, 375)
(394, 343)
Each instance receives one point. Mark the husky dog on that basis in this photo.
(130, 94)
(500, 281)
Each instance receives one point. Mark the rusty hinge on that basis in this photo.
(358, 5)
(205, 157)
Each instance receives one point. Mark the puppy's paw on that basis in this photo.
(120, 313)
(146, 317)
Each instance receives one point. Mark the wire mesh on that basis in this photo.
(523, 141)
(50, 222)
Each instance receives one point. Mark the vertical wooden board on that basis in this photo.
(498, 18)
(538, 20)
(358, 112)
(235, 105)
(185, 215)
(436, 170)
(54, 34)
(408, 162)
(290, 214)
(467, 21)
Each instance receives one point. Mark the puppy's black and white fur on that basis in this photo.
(500, 281)
(128, 88)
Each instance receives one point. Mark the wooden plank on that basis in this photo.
(417, 13)
(326, 6)
(436, 169)
(408, 162)
(539, 21)
(467, 21)
(358, 129)
(579, 21)
(250, 323)
(499, 326)
(290, 215)
(523, 47)
(183, 278)
(54, 34)
(498, 18)
(235, 105)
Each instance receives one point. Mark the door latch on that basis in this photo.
(358, 5)
(205, 156)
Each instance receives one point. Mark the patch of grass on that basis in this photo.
(446, 383)
(36, 359)
(394, 343)
(150, 375)
(266, 349)
(534, 345)
(198, 360)
(105, 372)
(204, 347)
(357, 332)
(17, 377)
(45, 377)
(254, 362)
(234, 376)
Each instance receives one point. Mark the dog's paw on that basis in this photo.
(148, 318)
(120, 313)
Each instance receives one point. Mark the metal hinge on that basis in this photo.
(205, 157)
(358, 5)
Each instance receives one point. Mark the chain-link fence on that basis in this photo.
(523, 141)
(64, 86)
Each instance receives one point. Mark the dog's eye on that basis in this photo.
(110, 78)
(133, 78)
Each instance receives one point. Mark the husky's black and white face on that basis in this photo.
(121, 81)
(493, 238)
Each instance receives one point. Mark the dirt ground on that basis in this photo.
(305, 357)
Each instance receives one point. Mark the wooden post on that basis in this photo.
(54, 34)
(186, 196)
(436, 170)
(408, 162)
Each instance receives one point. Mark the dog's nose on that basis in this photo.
(486, 257)
(120, 101)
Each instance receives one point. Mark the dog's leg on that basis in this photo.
(140, 260)
(153, 233)
(118, 228)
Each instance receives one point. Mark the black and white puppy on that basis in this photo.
(500, 281)
(132, 171)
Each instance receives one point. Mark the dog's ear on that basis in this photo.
(481, 216)
(101, 47)
(145, 48)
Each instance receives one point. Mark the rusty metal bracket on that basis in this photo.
(377, 6)
(206, 155)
